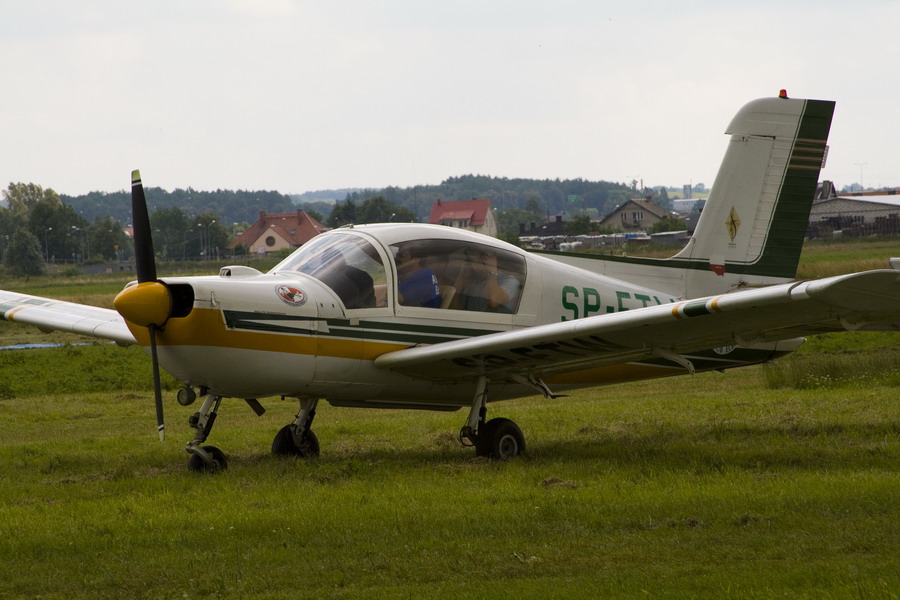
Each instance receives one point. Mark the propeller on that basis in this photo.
(149, 303)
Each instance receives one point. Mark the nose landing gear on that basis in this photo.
(205, 458)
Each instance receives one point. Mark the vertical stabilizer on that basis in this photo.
(752, 228)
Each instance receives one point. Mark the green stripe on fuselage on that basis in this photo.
(411, 333)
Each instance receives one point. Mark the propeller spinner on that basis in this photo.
(149, 303)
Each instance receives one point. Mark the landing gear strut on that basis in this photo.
(499, 439)
(205, 458)
(297, 438)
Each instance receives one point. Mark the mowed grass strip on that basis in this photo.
(711, 486)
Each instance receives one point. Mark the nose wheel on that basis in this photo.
(205, 459)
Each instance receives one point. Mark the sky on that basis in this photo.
(296, 95)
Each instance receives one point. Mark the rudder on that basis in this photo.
(752, 228)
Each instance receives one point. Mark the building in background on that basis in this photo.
(475, 215)
(279, 231)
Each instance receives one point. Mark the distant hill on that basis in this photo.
(329, 196)
(543, 196)
(230, 206)
(540, 197)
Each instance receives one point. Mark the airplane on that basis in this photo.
(431, 317)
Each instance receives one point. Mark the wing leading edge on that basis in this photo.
(48, 314)
(868, 300)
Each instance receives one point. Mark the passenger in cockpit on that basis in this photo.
(485, 287)
(417, 284)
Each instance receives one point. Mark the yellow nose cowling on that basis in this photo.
(145, 304)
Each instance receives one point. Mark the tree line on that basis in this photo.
(37, 227)
(40, 226)
(229, 206)
(545, 197)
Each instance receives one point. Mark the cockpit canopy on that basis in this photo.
(454, 274)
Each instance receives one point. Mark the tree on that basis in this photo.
(108, 240)
(315, 215)
(171, 233)
(23, 255)
(58, 226)
(22, 197)
(379, 210)
(209, 237)
(533, 206)
(668, 223)
(579, 226)
(342, 214)
(509, 222)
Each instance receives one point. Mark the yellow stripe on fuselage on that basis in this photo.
(205, 327)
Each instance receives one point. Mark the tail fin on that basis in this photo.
(752, 228)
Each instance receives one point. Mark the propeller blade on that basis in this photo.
(144, 261)
(151, 303)
(157, 386)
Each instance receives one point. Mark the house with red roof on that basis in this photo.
(279, 231)
(474, 215)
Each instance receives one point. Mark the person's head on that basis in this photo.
(478, 256)
(407, 256)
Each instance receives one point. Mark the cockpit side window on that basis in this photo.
(458, 275)
(348, 264)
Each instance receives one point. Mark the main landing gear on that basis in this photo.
(499, 439)
(297, 439)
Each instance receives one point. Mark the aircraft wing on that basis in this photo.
(869, 300)
(47, 315)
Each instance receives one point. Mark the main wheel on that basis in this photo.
(196, 464)
(284, 445)
(500, 439)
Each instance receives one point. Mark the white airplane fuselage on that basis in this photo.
(244, 337)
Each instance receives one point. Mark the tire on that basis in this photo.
(196, 464)
(500, 439)
(284, 445)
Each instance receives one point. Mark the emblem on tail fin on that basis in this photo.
(733, 223)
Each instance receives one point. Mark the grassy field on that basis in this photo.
(752, 483)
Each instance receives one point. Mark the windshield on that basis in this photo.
(346, 263)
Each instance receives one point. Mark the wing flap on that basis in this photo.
(869, 300)
(48, 314)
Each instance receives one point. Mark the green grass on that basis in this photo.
(839, 359)
(729, 485)
(711, 486)
(824, 258)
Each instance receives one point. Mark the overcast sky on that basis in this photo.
(296, 95)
